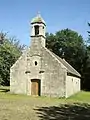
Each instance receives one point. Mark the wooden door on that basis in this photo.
(35, 87)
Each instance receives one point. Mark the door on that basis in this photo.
(35, 87)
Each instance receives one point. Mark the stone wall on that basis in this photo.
(54, 75)
(18, 77)
(72, 85)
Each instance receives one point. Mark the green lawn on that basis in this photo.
(22, 107)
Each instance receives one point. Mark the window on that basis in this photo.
(35, 63)
(36, 30)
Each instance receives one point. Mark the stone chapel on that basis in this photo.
(40, 72)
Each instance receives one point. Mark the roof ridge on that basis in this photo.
(54, 56)
(65, 64)
(71, 66)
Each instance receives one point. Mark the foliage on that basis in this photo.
(89, 31)
(10, 50)
(68, 44)
(87, 64)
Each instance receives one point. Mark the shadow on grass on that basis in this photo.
(64, 112)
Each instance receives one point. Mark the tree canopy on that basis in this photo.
(86, 72)
(10, 50)
(68, 44)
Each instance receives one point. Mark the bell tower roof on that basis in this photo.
(37, 19)
(38, 30)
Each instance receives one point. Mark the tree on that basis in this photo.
(10, 51)
(70, 45)
(89, 31)
(87, 65)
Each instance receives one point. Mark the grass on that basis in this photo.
(82, 96)
(22, 107)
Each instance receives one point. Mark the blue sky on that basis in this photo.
(15, 16)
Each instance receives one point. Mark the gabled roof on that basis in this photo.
(70, 69)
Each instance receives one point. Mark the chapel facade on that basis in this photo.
(39, 71)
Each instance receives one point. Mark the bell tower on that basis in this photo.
(38, 30)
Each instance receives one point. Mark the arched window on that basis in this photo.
(36, 30)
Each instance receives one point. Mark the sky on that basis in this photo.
(15, 16)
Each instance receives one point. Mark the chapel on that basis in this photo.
(40, 72)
